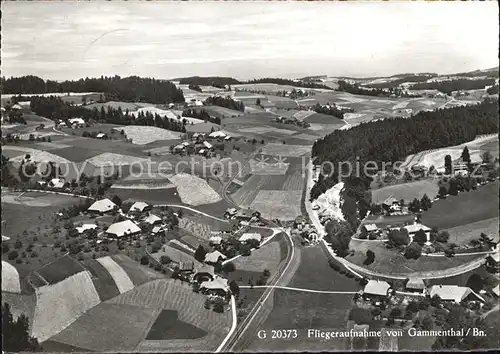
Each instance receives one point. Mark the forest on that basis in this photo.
(215, 81)
(331, 110)
(399, 81)
(493, 90)
(55, 108)
(129, 89)
(355, 89)
(200, 114)
(280, 81)
(454, 85)
(391, 140)
(226, 102)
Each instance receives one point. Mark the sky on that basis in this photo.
(69, 40)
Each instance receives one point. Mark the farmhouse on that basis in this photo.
(77, 122)
(496, 290)
(57, 183)
(454, 293)
(101, 136)
(246, 215)
(415, 285)
(414, 228)
(179, 148)
(217, 134)
(140, 207)
(391, 204)
(102, 206)
(16, 106)
(218, 286)
(246, 237)
(377, 288)
(152, 219)
(214, 257)
(85, 227)
(157, 229)
(5, 238)
(205, 273)
(207, 145)
(368, 229)
(123, 228)
(493, 262)
(215, 240)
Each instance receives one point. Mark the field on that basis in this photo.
(61, 269)
(120, 277)
(115, 105)
(285, 150)
(36, 155)
(142, 135)
(221, 112)
(103, 281)
(176, 255)
(154, 196)
(109, 327)
(463, 234)
(112, 159)
(281, 204)
(168, 326)
(147, 181)
(406, 191)
(266, 257)
(10, 278)
(138, 273)
(61, 304)
(194, 190)
(464, 208)
(257, 167)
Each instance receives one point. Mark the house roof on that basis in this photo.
(216, 284)
(495, 256)
(76, 121)
(100, 135)
(5, 238)
(496, 290)
(416, 227)
(57, 182)
(227, 137)
(201, 151)
(389, 201)
(186, 143)
(370, 227)
(213, 257)
(207, 144)
(217, 134)
(215, 239)
(157, 229)
(151, 219)
(123, 228)
(377, 287)
(16, 106)
(452, 292)
(250, 236)
(139, 206)
(179, 147)
(415, 283)
(206, 269)
(86, 227)
(102, 206)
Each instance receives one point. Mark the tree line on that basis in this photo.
(449, 86)
(399, 81)
(55, 108)
(355, 89)
(128, 89)
(200, 114)
(331, 110)
(226, 102)
(215, 81)
(281, 81)
(391, 140)
(493, 90)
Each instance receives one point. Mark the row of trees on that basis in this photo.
(215, 81)
(200, 114)
(129, 89)
(355, 89)
(226, 102)
(389, 141)
(331, 110)
(281, 81)
(454, 85)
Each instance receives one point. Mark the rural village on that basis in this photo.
(197, 214)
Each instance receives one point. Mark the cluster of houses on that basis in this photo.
(244, 216)
(305, 229)
(379, 291)
(200, 143)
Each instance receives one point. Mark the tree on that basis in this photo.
(200, 253)
(18, 244)
(453, 187)
(447, 164)
(412, 307)
(465, 155)
(435, 301)
(165, 260)
(443, 236)
(487, 157)
(475, 282)
(266, 273)
(257, 102)
(15, 333)
(443, 192)
(370, 257)
(399, 237)
(235, 289)
(425, 202)
(420, 237)
(207, 304)
(413, 251)
(12, 255)
(228, 267)
(218, 305)
(117, 200)
(196, 287)
(414, 206)
(339, 234)
(144, 260)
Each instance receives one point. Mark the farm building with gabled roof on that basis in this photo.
(101, 136)
(250, 236)
(214, 257)
(204, 273)
(377, 288)
(496, 290)
(216, 240)
(152, 219)
(218, 285)
(414, 228)
(102, 206)
(123, 228)
(217, 134)
(207, 145)
(57, 183)
(415, 284)
(85, 227)
(139, 206)
(454, 293)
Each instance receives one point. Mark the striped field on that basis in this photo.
(121, 278)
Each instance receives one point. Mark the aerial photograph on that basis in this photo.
(249, 176)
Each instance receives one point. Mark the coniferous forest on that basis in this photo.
(129, 89)
(392, 140)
